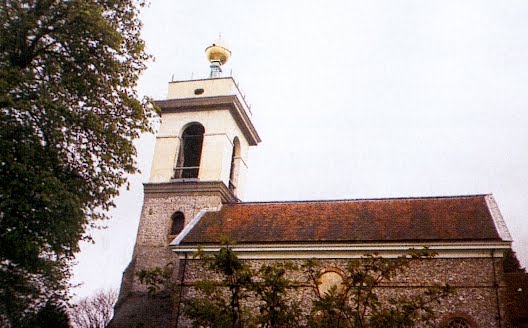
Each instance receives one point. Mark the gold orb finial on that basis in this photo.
(218, 52)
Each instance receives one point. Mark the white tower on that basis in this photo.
(200, 163)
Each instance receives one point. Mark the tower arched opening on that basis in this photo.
(188, 164)
(178, 222)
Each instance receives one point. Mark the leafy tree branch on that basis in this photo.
(240, 293)
(69, 114)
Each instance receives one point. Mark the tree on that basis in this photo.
(94, 311)
(271, 288)
(69, 115)
(220, 302)
(51, 315)
(237, 294)
(358, 302)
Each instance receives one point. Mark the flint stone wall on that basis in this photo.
(478, 282)
(152, 250)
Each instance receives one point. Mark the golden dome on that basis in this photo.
(218, 52)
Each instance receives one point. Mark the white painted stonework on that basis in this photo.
(211, 88)
(220, 131)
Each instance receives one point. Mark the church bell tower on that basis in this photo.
(200, 163)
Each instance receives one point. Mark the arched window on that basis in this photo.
(178, 221)
(235, 163)
(188, 164)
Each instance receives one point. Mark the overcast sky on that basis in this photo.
(352, 99)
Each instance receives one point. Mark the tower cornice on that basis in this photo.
(193, 188)
(228, 102)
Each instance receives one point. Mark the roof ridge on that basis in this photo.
(358, 199)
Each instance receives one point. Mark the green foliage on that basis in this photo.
(157, 279)
(233, 285)
(68, 118)
(237, 295)
(223, 311)
(271, 288)
(51, 315)
(359, 301)
(211, 313)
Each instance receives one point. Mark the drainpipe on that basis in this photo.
(180, 294)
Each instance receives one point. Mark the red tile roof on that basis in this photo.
(462, 218)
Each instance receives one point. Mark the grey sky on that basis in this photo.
(353, 99)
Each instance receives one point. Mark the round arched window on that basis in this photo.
(178, 221)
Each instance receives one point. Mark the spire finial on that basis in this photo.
(217, 54)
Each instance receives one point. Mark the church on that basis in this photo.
(192, 200)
